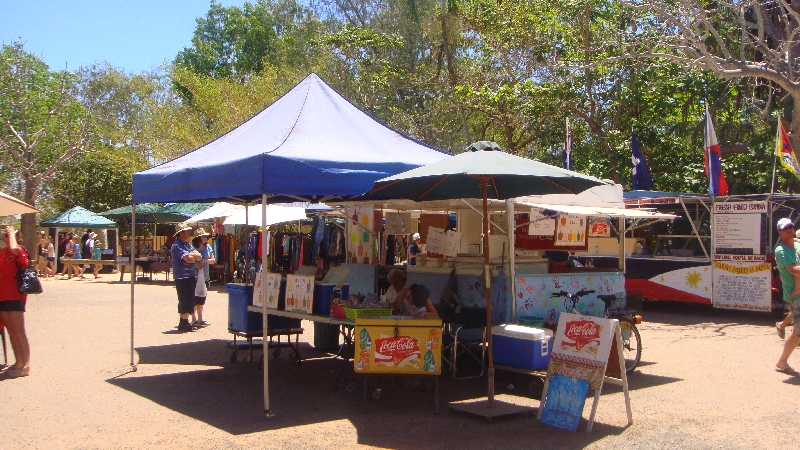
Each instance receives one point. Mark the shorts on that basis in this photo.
(202, 300)
(185, 288)
(51, 258)
(12, 305)
(794, 310)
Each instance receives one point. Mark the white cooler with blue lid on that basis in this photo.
(521, 347)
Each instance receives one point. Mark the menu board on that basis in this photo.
(540, 224)
(398, 223)
(272, 286)
(742, 285)
(442, 242)
(299, 293)
(737, 234)
(571, 230)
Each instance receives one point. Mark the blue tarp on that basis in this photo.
(311, 144)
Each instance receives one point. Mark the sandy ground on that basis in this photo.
(706, 381)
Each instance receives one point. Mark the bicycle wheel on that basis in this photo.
(631, 344)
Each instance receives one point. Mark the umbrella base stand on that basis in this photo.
(489, 411)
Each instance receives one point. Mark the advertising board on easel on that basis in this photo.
(587, 352)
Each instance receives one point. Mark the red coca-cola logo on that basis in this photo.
(396, 349)
(582, 332)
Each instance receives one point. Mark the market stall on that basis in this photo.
(309, 145)
(719, 252)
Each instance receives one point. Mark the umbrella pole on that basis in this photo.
(133, 280)
(487, 286)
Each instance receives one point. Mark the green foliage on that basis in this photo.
(98, 181)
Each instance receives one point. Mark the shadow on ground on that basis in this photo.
(230, 397)
(677, 313)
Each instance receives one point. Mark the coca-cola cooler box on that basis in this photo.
(521, 347)
(398, 346)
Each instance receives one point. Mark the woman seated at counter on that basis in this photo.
(408, 301)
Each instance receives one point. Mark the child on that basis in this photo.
(418, 304)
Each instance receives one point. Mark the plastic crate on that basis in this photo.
(353, 313)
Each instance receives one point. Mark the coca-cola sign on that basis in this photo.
(582, 333)
(396, 349)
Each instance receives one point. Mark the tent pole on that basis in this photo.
(487, 286)
(265, 326)
(133, 280)
(246, 274)
(512, 233)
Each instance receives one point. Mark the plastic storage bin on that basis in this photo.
(326, 336)
(521, 347)
(240, 296)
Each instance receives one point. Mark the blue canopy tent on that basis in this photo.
(311, 144)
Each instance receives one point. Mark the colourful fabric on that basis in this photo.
(9, 265)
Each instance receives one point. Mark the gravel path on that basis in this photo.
(707, 381)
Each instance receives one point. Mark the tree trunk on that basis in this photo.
(28, 222)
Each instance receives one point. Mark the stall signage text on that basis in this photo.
(740, 207)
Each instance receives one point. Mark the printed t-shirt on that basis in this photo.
(180, 268)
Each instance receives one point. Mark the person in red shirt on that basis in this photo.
(12, 304)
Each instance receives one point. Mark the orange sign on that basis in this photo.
(409, 346)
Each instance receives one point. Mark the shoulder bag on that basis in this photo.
(27, 281)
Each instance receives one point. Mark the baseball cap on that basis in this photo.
(784, 224)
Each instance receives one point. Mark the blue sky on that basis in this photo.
(133, 35)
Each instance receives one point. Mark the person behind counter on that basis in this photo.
(397, 279)
(413, 250)
(417, 303)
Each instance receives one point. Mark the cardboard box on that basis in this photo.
(521, 347)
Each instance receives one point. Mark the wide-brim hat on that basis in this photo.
(182, 229)
(201, 232)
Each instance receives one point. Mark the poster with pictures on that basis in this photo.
(299, 293)
(571, 230)
(398, 223)
(599, 227)
(360, 242)
(541, 225)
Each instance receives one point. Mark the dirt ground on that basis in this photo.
(706, 381)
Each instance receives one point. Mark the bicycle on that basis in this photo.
(631, 339)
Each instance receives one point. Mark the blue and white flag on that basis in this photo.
(641, 179)
(566, 153)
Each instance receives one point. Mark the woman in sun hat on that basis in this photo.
(200, 243)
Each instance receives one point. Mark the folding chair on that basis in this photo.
(465, 335)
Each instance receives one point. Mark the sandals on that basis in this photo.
(787, 371)
(781, 331)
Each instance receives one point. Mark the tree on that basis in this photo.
(44, 125)
(734, 40)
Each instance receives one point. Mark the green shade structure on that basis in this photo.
(153, 213)
(507, 176)
(78, 217)
(484, 172)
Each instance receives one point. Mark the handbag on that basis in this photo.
(27, 281)
(200, 287)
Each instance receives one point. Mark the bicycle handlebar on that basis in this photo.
(580, 293)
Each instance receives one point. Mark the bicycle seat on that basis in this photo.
(607, 299)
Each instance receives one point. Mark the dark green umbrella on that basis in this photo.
(484, 172)
(78, 217)
(145, 213)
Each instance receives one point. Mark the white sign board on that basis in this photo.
(540, 225)
(299, 293)
(738, 234)
(581, 348)
(570, 230)
(398, 223)
(443, 243)
(742, 285)
(272, 285)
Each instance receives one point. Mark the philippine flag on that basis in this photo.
(716, 179)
